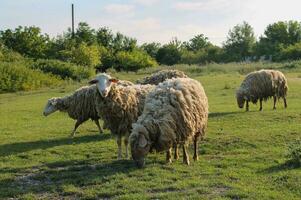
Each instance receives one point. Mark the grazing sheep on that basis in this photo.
(120, 106)
(161, 76)
(175, 112)
(261, 85)
(80, 106)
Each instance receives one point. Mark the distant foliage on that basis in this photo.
(8, 55)
(28, 41)
(294, 153)
(82, 55)
(133, 61)
(16, 77)
(240, 42)
(292, 52)
(63, 69)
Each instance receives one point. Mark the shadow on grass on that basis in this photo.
(20, 147)
(221, 114)
(289, 165)
(52, 177)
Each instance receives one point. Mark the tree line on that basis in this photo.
(103, 49)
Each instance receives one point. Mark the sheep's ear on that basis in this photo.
(93, 81)
(142, 141)
(114, 80)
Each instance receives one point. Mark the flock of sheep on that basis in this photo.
(160, 112)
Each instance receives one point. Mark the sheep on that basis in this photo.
(262, 85)
(79, 106)
(120, 107)
(175, 112)
(161, 76)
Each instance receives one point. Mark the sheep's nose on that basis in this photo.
(104, 93)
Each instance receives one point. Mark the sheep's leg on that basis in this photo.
(260, 101)
(275, 99)
(176, 155)
(247, 105)
(98, 125)
(126, 144)
(195, 156)
(118, 140)
(185, 155)
(78, 122)
(285, 103)
(168, 156)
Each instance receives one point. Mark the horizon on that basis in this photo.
(150, 20)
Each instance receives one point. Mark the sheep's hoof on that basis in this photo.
(176, 157)
(274, 108)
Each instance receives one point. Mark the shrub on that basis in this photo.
(133, 61)
(15, 76)
(292, 52)
(294, 152)
(8, 55)
(63, 69)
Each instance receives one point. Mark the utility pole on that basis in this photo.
(72, 10)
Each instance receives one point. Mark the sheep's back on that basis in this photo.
(180, 109)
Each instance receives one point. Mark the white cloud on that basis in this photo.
(208, 5)
(146, 2)
(119, 8)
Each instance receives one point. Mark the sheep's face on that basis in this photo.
(240, 102)
(50, 106)
(139, 149)
(104, 83)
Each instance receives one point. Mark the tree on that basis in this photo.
(28, 41)
(82, 55)
(105, 37)
(169, 54)
(197, 43)
(84, 33)
(240, 42)
(151, 48)
(277, 36)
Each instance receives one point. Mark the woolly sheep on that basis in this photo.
(120, 107)
(261, 85)
(161, 76)
(175, 112)
(80, 106)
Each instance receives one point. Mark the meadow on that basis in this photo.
(242, 157)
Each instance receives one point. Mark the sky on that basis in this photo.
(150, 20)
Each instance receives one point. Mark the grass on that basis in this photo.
(242, 157)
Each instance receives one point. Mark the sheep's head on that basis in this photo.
(240, 97)
(140, 144)
(51, 106)
(104, 83)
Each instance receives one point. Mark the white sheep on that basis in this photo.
(120, 106)
(80, 106)
(160, 76)
(175, 112)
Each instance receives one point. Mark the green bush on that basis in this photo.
(16, 76)
(133, 61)
(292, 52)
(63, 69)
(7, 55)
(294, 152)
